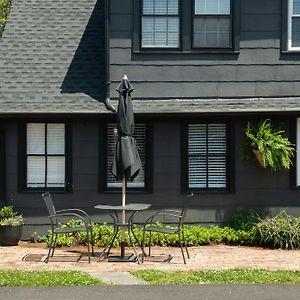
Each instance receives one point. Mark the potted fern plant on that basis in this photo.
(267, 145)
(11, 224)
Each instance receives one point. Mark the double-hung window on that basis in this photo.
(45, 156)
(207, 156)
(294, 25)
(160, 23)
(212, 24)
(186, 26)
(140, 135)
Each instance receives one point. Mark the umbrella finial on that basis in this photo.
(125, 77)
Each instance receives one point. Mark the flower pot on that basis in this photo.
(259, 158)
(10, 235)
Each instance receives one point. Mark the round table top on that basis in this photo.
(128, 207)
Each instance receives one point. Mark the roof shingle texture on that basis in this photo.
(52, 57)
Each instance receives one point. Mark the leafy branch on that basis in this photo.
(267, 145)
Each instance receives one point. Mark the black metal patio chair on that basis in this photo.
(157, 223)
(57, 218)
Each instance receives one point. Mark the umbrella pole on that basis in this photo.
(123, 217)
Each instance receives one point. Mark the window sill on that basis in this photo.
(290, 51)
(191, 52)
(207, 191)
(119, 191)
(35, 191)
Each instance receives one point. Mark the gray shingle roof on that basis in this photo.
(52, 61)
(52, 57)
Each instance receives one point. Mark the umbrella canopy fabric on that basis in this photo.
(126, 160)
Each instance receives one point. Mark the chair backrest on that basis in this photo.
(49, 203)
(185, 207)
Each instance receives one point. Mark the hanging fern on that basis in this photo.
(267, 145)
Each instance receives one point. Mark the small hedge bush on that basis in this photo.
(4, 11)
(281, 231)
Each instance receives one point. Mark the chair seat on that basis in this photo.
(166, 230)
(69, 230)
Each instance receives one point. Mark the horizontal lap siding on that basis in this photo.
(260, 70)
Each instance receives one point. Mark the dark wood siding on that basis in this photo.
(255, 188)
(259, 70)
(2, 168)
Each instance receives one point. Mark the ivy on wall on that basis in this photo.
(4, 11)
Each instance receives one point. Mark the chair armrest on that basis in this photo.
(173, 214)
(77, 211)
(69, 214)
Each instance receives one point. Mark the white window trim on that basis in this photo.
(290, 15)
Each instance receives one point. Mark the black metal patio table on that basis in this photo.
(113, 211)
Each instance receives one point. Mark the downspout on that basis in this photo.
(107, 102)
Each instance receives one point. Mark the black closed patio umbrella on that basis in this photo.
(126, 163)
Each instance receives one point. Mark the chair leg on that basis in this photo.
(180, 243)
(50, 247)
(88, 244)
(150, 241)
(185, 244)
(53, 245)
(92, 241)
(143, 245)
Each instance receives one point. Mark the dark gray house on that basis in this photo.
(200, 68)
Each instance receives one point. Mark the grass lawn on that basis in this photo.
(219, 276)
(45, 278)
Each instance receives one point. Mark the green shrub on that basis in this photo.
(10, 217)
(244, 221)
(4, 11)
(282, 231)
(267, 145)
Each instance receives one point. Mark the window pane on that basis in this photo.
(160, 7)
(160, 31)
(35, 138)
(140, 138)
(207, 156)
(35, 171)
(197, 139)
(217, 172)
(296, 32)
(173, 7)
(55, 171)
(148, 7)
(55, 138)
(197, 172)
(296, 7)
(212, 7)
(212, 32)
(216, 139)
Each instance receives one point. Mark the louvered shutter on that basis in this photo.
(140, 138)
(207, 156)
